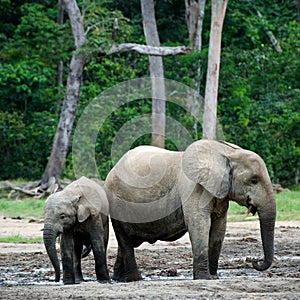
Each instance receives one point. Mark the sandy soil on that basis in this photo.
(26, 272)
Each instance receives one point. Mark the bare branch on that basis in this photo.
(149, 50)
(271, 36)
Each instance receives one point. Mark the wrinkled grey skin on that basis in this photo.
(218, 172)
(79, 214)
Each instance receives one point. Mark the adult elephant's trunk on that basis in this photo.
(49, 236)
(267, 225)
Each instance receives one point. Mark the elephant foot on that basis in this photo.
(202, 276)
(214, 277)
(79, 280)
(127, 277)
(68, 282)
(103, 278)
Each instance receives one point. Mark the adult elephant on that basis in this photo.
(156, 194)
(79, 213)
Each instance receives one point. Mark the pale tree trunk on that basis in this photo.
(69, 110)
(194, 13)
(156, 74)
(60, 66)
(218, 11)
(194, 18)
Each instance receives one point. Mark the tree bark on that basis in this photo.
(218, 11)
(60, 65)
(194, 18)
(69, 110)
(156, 74)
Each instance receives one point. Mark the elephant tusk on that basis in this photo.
(248, 211)
(251, 209)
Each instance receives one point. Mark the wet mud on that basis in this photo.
(167, 272)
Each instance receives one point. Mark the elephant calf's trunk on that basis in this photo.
(49, 237)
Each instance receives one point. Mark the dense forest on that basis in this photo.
(259, 86)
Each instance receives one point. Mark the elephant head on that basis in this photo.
(62, 210)
(227, 171)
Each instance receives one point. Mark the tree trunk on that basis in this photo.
(194, 13)
(69, 110)
(194, 18)
(60, 65)
(156, 74)
(218, 10)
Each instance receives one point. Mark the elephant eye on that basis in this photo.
(62, 216)
(254, 180)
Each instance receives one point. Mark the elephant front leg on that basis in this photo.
(197, 219)
(99, 251)
(67, 248)
(198, 228)
(199, 240)
(77, 261)
(216, 238)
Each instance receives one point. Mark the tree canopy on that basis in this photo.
(259, 87)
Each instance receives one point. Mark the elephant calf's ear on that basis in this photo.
(83, 213)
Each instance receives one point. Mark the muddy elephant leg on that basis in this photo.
(99, 251)
(197, 219)
(77, 261)
(199, 236)
(67, 250)
(119, 270)
(125, 268)
(216, 238)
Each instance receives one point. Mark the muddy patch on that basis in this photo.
(166, 270)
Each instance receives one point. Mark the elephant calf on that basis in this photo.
(79, 213)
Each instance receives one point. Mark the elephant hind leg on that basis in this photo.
(119, 270)
(77, 261)
(125, 268)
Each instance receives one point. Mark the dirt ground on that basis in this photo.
(26, 272)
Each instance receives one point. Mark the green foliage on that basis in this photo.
(20, 157)
(259, 91)
(260, 101)
(22, 85)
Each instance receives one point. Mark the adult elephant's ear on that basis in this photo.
(206, 163)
